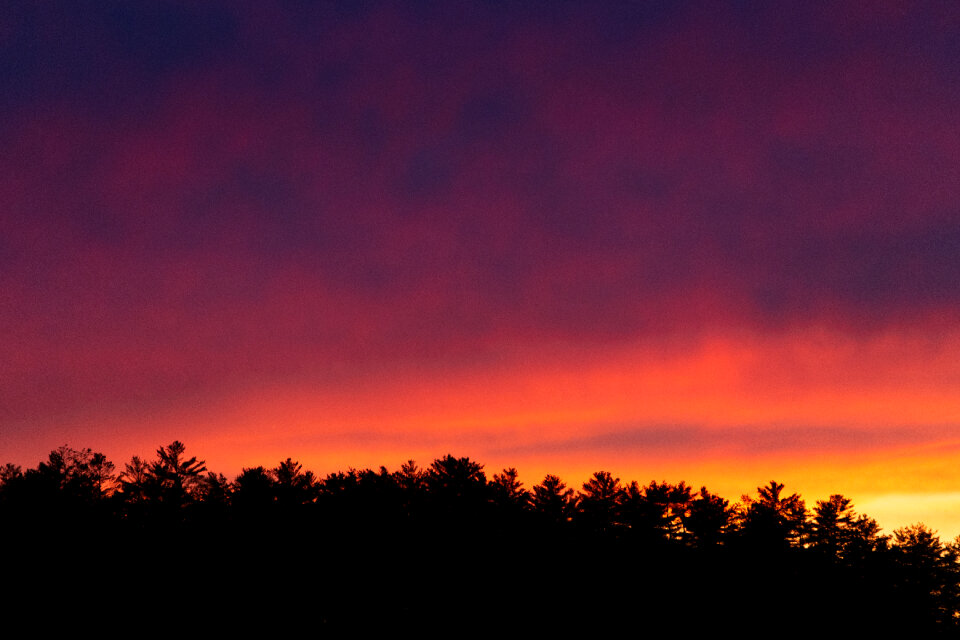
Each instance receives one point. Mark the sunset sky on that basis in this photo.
(710, 242)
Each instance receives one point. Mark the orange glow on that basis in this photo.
(554, 411)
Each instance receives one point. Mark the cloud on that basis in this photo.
(194, 199)
(694, 442)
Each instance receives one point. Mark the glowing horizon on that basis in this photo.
(728, 414)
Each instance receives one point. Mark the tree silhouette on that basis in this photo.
(457, 497)
(553, 501)
(455, 477)
(930, 577)
(774, 521)
(10, 471)
(839, 533)
(599, 502)
(364, 527)
(293, 485)
(508, 491)
(655, 513)
(511, 503)
(73, 476)
(254, 491)
(81, 471)
(173, 478)
(709, 519)
(410, 477)
(215, 490)
(134, 479)
(831, 524)
(10, 475)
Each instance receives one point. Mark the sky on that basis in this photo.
(709, 242)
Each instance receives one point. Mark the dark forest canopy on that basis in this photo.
(464, 545)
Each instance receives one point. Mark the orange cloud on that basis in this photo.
(824, 413)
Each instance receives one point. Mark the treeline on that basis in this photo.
(447, 544)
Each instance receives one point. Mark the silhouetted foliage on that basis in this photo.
(215, 490)
(709, 519)
(134, 480)
(657, 512)
(410, 477)
(840, 533)
(173, 479)
(508, 491)
(294, 486)
(772, 520)
(651, 549)
(554, 501)
(928, 582)
(80, 474)
(10, 472)
(254, 491)
(456, 478)
(599, 503)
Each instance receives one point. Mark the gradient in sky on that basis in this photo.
(711, 242)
